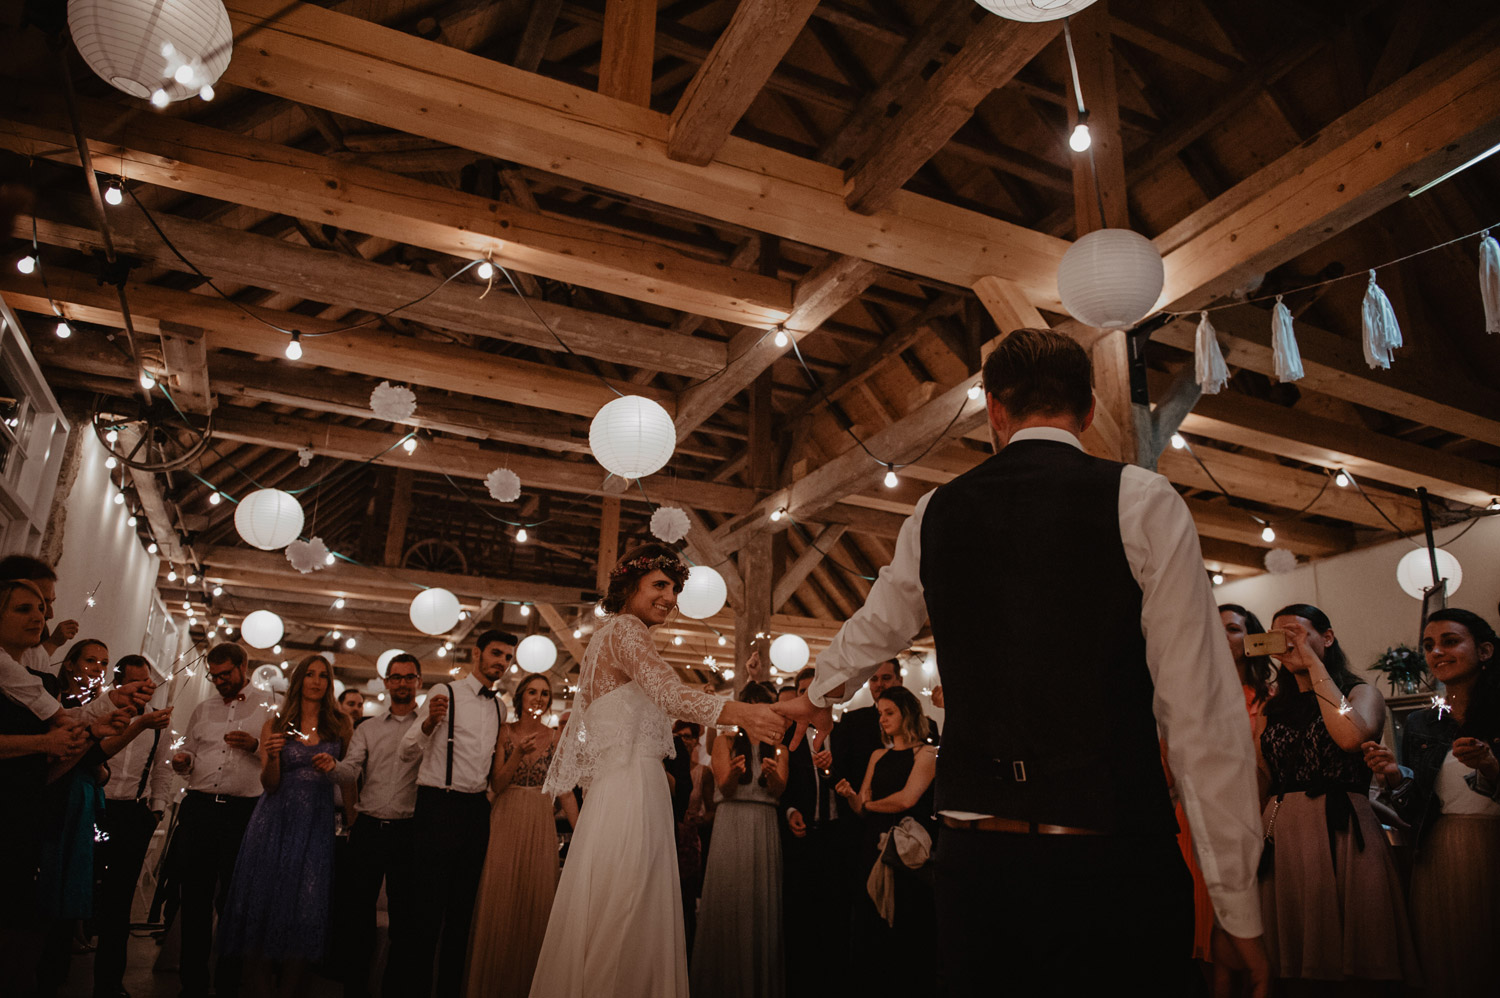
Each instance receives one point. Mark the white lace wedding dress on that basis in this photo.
(616, 923)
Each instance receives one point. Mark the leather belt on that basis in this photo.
(1015, 826)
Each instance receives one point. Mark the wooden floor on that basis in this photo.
(143, 980)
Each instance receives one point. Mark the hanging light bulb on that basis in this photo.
(212, 633)
(110, 462)
(214, 498)
(218, 590)
(1341, 480)
(975, 391)
(132, 521)
(1494, 504)
(112, 436)
(485, 270)
(448, 645)
(409, 445)
(350, 643)
(338, 604)
(891, 481)
(328, 558)
(294, 346)
(1178, 441)
(1268, 535)
(206, 91)
(777, 514)
(577, 633)
(27, 264)
(525, 610)
(723, 641)
(147, 381)
(521, 535)
(1218, 578)
(63, 329)
(119, 498)
(1080, 140)
(192, 578)
(114, 193)
(442, 653)
(171, 575)
(276, 650)
(151, 548)
(677, 639)
(781, 340)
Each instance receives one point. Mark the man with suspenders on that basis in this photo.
(456, 739)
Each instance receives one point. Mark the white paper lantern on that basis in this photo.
(338, 688)
(1414, 571)
(1110, 278)
(268, 519)
(384, 661)
(123, 42)
(632, 437)
(434, 611)
(536, 653)
(374, 686)
(703, 594)
(264, 677)
(262, 629)
(789, 653)
(1034, 10)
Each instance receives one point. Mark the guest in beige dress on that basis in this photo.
(520, 868)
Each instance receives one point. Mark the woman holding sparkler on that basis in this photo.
(520, 869)
(1331, 898)
(1449, 792)
(277, 910)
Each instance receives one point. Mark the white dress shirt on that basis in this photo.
(18, 680)
(218, 768)
(138, 759)
(389, 790)
(476, 729)
(1199, 704)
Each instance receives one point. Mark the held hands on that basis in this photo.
(802, 711)
(111, 724)
(762, 723)
(244, 741)
(1477, 755)
(64, 741)
(1381, 761)
(135, 695)
(323, 762)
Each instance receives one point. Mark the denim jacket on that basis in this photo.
(1425, 743)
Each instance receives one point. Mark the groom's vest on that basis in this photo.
(1037, 621)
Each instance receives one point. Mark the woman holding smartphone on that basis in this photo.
(1331, 899)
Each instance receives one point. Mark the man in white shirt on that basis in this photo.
(139, 784)
(383, 841)
(456, 737)
(1074, 625)
(218, 758)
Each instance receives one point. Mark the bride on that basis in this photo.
(616, 925)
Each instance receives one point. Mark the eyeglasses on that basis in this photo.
(401, 679)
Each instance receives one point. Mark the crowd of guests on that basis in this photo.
(801, 870)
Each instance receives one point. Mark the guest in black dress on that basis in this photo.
(896, 803)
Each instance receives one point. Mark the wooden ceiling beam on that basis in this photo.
(726, 83)
(177, 154)
(1216, 518)
(797, 572)
(628, 51)
(368, 351)
(334, 278)
(1231, 557)
(1434, 118)
(1334, 365)
(353, 67)
(817, 298)
(992, 54)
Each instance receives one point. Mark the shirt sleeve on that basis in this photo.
(892, 615)
(635, 655)
(1198, 698)
(26, 689)
(193, 737)
(159, 783)
(352, 765)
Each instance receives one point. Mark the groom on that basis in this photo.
(1073, 618)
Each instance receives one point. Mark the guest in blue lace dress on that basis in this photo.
(277, 912)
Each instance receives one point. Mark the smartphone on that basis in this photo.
(1269, 643)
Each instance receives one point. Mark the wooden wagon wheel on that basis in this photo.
(154, 437)
(436, 555)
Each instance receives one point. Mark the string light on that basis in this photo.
(294, 348)
(1080, 140)
(448, 645)
(214, 499)
(276, 650)
(171, 575)
(525, 610)
(110, 462)
(192, 577)
(1218, 578)
(1178, 441)
(1494, 504)
(723, 641)
(328, 558)
(410, 445)
(974, 392)
(521, 536)
(677, 639)
(27, 264)
(132, 521)
(350, 643)
(778, 513)
(160, 98)
(147, 381)
(1268, 535)
(442, 653)
(577, 633)
(151, 548)
(206, 91)
(112, 436)
(63, 329)
(218, 590)
(1341, 480)
(114, 193)
(728, 673)
(485, 270)
(781, 340)
(338, 604)
(337, 635)
(891, 481)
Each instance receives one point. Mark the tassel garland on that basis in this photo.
(1489, 281)
(1208, 359)
(1382, 333)
(1284, 353)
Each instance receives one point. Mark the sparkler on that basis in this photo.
(1344, 706)
(100, 835)
(1441, 704)
(88, 601)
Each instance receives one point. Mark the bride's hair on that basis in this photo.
(635, 566)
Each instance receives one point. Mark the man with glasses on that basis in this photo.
(382, 841)
(218, 758)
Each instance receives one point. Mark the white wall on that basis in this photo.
(1358, 591)
(99, 548)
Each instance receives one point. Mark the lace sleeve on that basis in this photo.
(636, 656)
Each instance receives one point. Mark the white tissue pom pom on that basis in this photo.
(670, 524)
(392, 403)
(307, 556)
(1280, 561)
(504, 485)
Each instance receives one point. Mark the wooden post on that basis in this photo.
(629, 50)
(609, 541)
(395, 536)
(756, 559)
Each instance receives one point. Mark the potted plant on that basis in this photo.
(1405, 668)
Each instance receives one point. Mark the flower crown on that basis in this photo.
(665, 562)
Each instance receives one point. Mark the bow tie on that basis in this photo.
(488, 693)
(233, 699)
